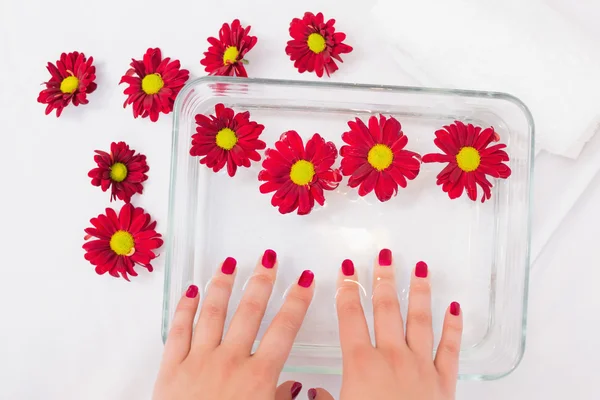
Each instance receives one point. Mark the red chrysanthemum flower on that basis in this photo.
(122, 170)
(122, 241)
(315, 44)
(154, 83)
(72, 79)
(469, 159)
(227, 138)
(225, 56)
(299, 175)
(375, 157)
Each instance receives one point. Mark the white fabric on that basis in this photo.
(525, 48)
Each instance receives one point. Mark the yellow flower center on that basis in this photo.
(118, 172)
(316, 43)
(468, 159)
(226, 139)
(69, 84)
(122, 243)
(151, 84)
(230, 56)
(380, 157)
(302, 172)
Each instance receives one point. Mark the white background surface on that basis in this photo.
(67, 333)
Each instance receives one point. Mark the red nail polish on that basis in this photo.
(454, 308)
(228, 266)
(421, 270)
(385, 257)
(269, 258)
(312, 394)
(192, 291)
(306, 278)
(296, 388)
(348, 267)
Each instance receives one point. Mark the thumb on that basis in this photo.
(288, 390)
(319, 394)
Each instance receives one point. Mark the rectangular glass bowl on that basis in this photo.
(478, 254)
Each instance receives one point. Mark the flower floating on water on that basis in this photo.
(122, 242)
(375, 159)
(154, 83)
(469, 159)
(298, 175)
(71, 80)
(121, 170)
(227, 138)
(226, 54)
(315, 44)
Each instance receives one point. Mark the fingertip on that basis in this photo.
(269, 259)
(348, 267)
(228, 266)
(191, 292)
(455, 309)
(385, 257)
(306, 279)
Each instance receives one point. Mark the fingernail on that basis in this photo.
(192, 291)
(454, 308)
(296, 388)
(306, 278)
(228, 266)
(312, 394)
(348, 267)
(385, 257)
(269, 258)
(421, 270)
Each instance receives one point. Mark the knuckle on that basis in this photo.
(212, 311)
(288, 321)
(302, 301)
(449, 347)
(385, 303)
(420, 286)
(221, 285)
(361, 355)
(251, 307)
(264, 281)
(178, 330)
(350, 307)
(419, 317)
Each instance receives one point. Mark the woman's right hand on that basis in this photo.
(400, 366)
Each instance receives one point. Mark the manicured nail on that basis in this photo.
(385, 257)
(421, 270)
(348, 267)
(306, 278)
(269, 258)
(228, 266)
(192, 291)
(312, 394)
(296, 388)
(454, 308)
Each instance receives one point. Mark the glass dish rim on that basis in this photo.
(359, 86)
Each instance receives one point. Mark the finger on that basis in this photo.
(249, 314)
(448, 352)
(288, 390)
(354, 331)
(389, 331)
(279, 338)
(319, 394)
(419, 330)
(178, 342)
(209, 329)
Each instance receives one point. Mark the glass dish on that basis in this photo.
(478, 254)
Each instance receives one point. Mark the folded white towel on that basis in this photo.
(525, 48)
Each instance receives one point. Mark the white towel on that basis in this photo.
(525, 48)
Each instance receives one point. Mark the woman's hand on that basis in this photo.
(205, 365)
(401, 365)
